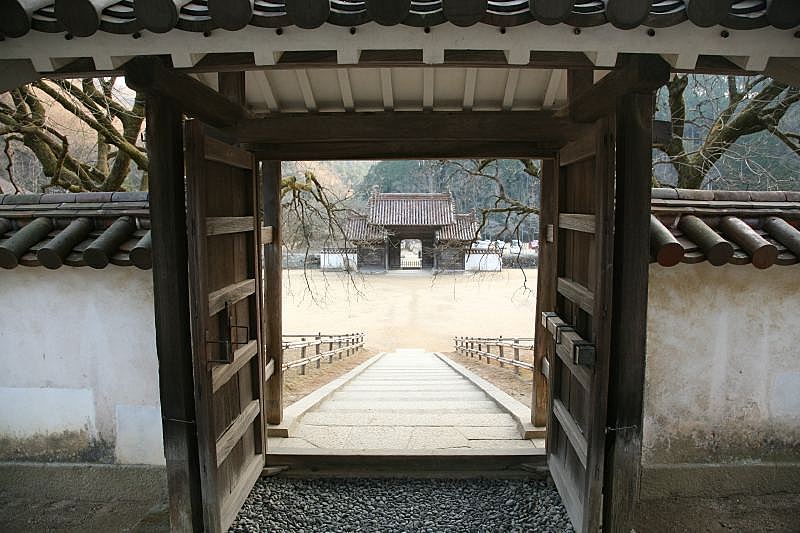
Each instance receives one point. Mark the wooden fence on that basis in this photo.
(517, 352)
(314, 348)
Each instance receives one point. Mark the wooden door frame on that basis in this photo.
(168, 91)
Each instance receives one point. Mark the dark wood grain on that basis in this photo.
(171, 304)
(149, 74)
(273, 272)
(629, 310)
(636, 73)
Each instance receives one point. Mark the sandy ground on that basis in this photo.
(411, 309)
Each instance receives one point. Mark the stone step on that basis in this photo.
(472, 406)
(408, 395)
(372, 418)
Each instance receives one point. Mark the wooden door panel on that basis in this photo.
(225, 296)
(579, 325)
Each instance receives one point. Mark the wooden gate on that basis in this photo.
(579, 235)
(225, 302)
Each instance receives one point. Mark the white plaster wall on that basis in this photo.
(77, 353)
(480, 262)
(723, 364)
(339, 261)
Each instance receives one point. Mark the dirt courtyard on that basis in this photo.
(410, 309)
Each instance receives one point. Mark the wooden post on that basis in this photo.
(516, 355)
(273, 308)
(488, 351)
(546, 285)
(302, 356)
(171, 307)
(339, 347)
(501, 352)
(330, 350)
(317, 347)
(629, 310)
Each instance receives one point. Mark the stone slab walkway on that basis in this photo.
(407, 400)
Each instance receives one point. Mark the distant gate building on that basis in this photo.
(428, 217)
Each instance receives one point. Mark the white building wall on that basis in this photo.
(338, 261)
(723, 365)
(79, 365)
(483, 262)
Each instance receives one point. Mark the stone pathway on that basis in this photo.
(408, 399)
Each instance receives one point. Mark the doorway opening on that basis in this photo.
(411, 254)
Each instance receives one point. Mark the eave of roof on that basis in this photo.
(725, 227)
(84, 229)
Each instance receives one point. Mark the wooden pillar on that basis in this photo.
(546, 288)
(171, 307)
(273, 308)
(629, 322)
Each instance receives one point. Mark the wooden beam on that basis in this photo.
(512, 82)
(470, 82)
(545, 290)
(487, 126)
(232, 86)
(638, 73)
(171, 303)
(387, 92)
(346, 89)
(553, 84)
(273, 272)
(267, 92)
(402, 150)
(629, 310)
(149, 74)
(305, 89)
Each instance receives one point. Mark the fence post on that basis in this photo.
(303, 356)
(489, 351)
(330, 350)
(339, 346)
(501, 352)
(480, 349)
(516, 355)
(317, 347)
(471, 347)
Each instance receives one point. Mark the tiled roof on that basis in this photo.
(358, 230)
(725, 227)
(464, 229)
(85, 229)
(195, 16)
(411, 209)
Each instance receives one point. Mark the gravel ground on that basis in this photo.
(394, 505)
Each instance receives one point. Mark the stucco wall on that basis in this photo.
(723, 365)
(79, 376)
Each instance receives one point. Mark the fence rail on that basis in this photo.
(342, 345)
(520, 349)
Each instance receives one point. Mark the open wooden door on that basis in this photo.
(225, 302)
(579, 240)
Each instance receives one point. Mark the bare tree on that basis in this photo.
(51, 120)
(724, 111)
